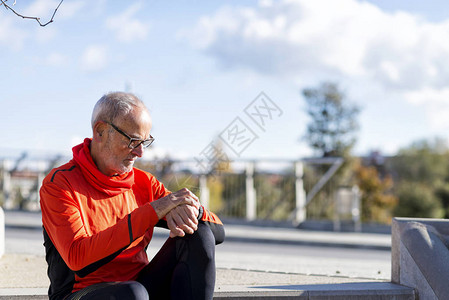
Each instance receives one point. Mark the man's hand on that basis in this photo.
(182, 219)
(165, 204)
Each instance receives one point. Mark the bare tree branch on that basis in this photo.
(3, 2)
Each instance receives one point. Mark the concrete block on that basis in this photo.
(420, 256)
(412, 276)
(2, 232)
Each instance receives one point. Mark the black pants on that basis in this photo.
(184, 268)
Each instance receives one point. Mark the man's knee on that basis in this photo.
(196, 264)
(203, 239)
(201, 243)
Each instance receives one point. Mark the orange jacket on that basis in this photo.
(99, 225)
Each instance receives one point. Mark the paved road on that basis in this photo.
(257, 256)
(362, 263)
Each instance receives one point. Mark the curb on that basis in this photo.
(307, 243)
(369, 290)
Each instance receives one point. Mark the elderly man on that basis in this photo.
(99, 212)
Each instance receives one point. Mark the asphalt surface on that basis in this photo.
(251, 256)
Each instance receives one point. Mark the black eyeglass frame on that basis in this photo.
(131, 139)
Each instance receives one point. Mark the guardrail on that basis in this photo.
(271, 189)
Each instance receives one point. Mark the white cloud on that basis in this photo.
(10, 35)
(94, 58)
(435, 102)
(346, 37)
(351, 40)
(127, 27)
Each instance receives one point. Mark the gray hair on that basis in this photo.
(113, 105)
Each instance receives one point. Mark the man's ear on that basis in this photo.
(100, 131)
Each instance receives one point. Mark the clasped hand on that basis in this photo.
(181, 211)
(182, 219)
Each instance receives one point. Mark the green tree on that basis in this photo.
(423, 161)
(333, 120)
(442, 193)
(331, 133)
(417, 201)
(377, 199)
(422, 170)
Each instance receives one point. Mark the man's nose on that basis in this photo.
(138, 151)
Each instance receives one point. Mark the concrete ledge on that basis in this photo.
(261, 295)
(344, 291)
(24, 293)
(420, 256)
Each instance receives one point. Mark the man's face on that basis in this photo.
(116, 158)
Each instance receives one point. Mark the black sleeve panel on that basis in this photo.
(61, 277)
(98, 264)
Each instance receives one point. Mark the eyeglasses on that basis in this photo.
(133, 142)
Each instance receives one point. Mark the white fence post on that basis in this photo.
(251, 204)
(347, 203)
(356, 209)
(7, 197)
(300, 194)
(338, 195)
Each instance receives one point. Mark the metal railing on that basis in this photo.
(280, 190)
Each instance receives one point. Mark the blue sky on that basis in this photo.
(199, 64)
